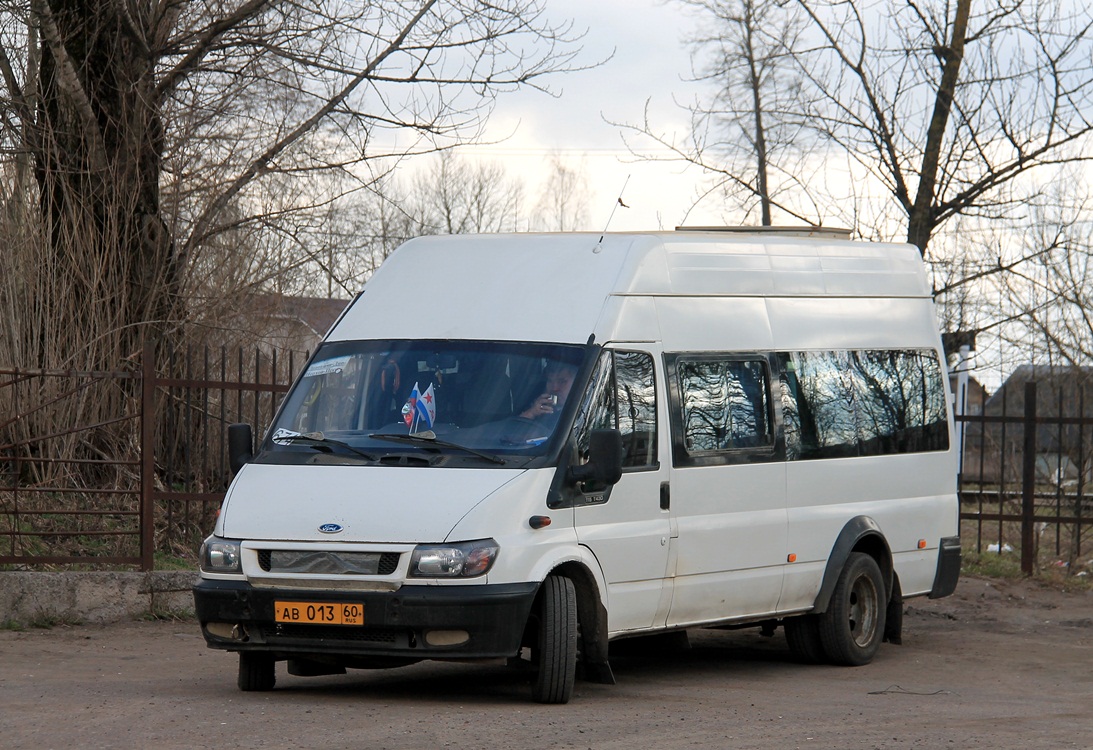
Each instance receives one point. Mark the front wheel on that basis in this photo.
(556, 648)
(256, 671)
(853, 626)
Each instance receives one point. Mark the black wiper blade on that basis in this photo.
(430, 439)
(321, 443)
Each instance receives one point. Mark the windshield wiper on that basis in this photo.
(321, 443)
(429, 438)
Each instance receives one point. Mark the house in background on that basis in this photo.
(993, 451)
(270, 335)
(975, 397)
(295, 324)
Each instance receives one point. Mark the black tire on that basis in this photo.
(803, 637)
(256, 671)
(556, 650)
(853, 626)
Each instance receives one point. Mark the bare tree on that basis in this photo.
(460, 196)
(563, 201)
(1050, 297)
(1006, 87)
(160, 134)
(448, 193)
(751, 135)
(163, 160)
(945, 107)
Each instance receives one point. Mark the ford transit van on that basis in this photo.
(523, 447)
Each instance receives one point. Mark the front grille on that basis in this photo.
(327, 633)
(323, 562)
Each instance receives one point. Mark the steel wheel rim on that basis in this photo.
(863, 611)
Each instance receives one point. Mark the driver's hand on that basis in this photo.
(543, 404)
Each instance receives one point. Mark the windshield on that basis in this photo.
(366, 400)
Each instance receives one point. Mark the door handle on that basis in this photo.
(665, 496)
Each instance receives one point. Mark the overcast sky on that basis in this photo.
(649, 62)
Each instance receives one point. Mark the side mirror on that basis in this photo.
(604, 465)
(240, 446)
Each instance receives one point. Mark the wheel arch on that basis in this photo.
(592, 616)
(860, 534)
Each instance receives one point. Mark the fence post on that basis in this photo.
(1028, 483)
(147, 455)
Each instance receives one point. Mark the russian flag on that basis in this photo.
(409, 411)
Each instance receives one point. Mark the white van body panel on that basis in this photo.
(282, 502)
(526, 554)
(631, 545)
(801, 324)
(562, 285)
(519, 299)
(679, 316)
(732, 540)
(822, 495)
(632, 319)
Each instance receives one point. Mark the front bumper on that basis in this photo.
(398, 624)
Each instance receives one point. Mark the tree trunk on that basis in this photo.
(757, 108)
(112, 272)
(923, 215)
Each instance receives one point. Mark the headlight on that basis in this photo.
(460, 560)
(220, 556)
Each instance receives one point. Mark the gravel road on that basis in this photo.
(1002, 664)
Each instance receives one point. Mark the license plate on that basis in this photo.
(319, 613)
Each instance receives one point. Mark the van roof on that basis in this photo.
(551, 286)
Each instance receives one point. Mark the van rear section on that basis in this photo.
(656, 432)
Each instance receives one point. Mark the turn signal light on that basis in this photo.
(538, 522)
(922, 544)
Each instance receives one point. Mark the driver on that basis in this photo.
(548, 405)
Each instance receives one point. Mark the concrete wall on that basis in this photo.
(31, 598)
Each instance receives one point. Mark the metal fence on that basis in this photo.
(108, 468)
(69, 492)
(1025, 477)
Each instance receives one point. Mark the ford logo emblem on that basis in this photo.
(330, 528)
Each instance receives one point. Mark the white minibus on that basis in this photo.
(523, 447)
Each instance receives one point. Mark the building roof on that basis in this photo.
(308, 315)
(1060, 390)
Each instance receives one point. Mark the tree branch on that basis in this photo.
(69, 84)
(200, 47)
(202, 226)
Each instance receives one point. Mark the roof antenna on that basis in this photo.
(618, 202)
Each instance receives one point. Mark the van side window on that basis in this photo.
(637, 407)
(622, 395)
(824, 424)
(862, 403)
(790, 394)
(901, 406)
(725, 404)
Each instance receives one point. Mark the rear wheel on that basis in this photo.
(556, 648)
(256, 671)
(853, 626)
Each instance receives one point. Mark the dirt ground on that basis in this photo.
(1002, 664)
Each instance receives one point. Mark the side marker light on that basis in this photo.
(538, 522)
